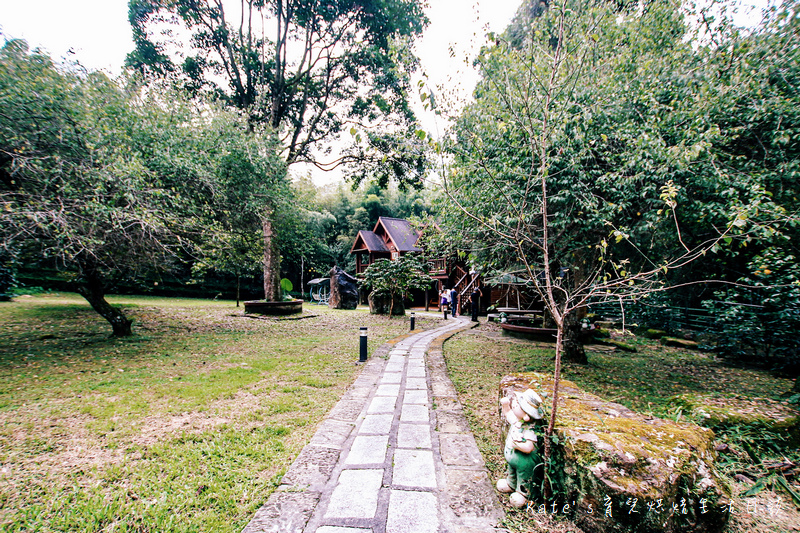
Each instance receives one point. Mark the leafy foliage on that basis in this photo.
(328, 220)
(322, 68)
(395, 279)
(110, 185)
(760, 315)
(653, 147)
(595, 159)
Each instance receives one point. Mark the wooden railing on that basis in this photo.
(437, 266)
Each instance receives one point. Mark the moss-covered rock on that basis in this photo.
(621, 471)
(651, 333)
(625, 347)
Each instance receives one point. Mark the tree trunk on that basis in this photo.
(551, 424)
(573, 346)
(272, 262)
(93, 289)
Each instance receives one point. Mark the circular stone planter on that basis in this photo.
(261, 307)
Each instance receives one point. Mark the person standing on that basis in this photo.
(445, 300)
(454, 302)
(475, 302)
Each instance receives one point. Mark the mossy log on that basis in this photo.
(679, 343)
(769, 418)
(620, 471)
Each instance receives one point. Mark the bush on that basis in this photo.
(758, 319)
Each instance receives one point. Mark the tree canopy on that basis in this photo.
(394, 279)
(608, 148)
(109, 184)
(621, 115)
(309, 70)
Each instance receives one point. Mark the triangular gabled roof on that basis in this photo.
(400, 233)
(368, 241)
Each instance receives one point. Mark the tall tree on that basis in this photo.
(584, 149)
(110, 185)
(309, 69)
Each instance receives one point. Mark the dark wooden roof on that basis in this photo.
(389, 235)
(400, 232)
(368, 241)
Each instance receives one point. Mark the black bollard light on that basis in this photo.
(445, 313)
(363, 355)
(412, 320)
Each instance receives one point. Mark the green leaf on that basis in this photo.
(286, 285)
(758, 486)
(785, 484)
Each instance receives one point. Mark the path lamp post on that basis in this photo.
(363, 355)
(412, 320)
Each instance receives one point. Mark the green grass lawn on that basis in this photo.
(187, 426)
(643, 381)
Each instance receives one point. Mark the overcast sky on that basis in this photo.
(96, 32)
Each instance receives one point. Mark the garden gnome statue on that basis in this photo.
(522, 411)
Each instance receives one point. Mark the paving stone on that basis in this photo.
(382, 404)
(390, 389)
(337, 529)
(358, 393)
(392, 377)
(447, 403)
(376, 424)
(367, 450)
(414, 468)
(347, 410)
(416, 371)
(395, 367)
(459, 450)
(332, 433)
(472, 497)
(416, 396)
(414, 413)
(356, 494)
(368, 379)
(414, 436)
(450, 422)
(312, 467)
(284, 512)
(397, 359)
(416, 383)
(412, 512)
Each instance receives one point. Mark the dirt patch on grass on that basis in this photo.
(157, 428)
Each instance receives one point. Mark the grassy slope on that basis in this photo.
(187, 426)
(643, 381)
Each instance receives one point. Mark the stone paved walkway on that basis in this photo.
(395, 455)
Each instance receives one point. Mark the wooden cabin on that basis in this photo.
(390, 239)
(394, 237)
